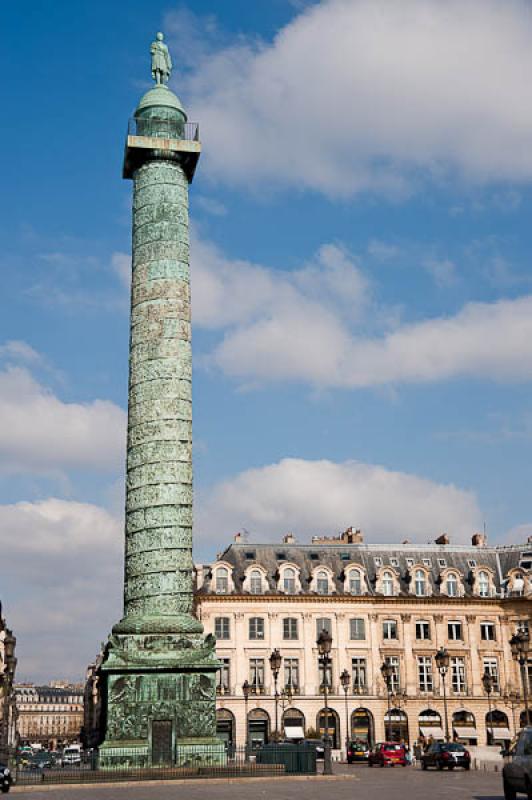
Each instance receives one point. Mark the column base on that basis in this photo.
(189, 752)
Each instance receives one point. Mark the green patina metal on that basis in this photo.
(159, 669)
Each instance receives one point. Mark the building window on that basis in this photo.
(327, 675)
(487, 631)
(322, 583)
(355, 582)
(424, 671)
(255, 582)
(454, 631)
(289, 580)
(290, 628)
(387, 584)
(256, 674)
(323, 624)
(357, 628)
(256, 628)
(221, 628)
(395, 682)
(389, 629)
(483, 584)
(394, 561)
(458, 681)
(359, 675)
(420, 583)
(422, 629)
(377, 561)
(291, 674)
(491, 665)
(222, 580)
(223, 677)
(452, 585)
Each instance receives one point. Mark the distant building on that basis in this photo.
(49, 715)
(8, 664)
(382, 603)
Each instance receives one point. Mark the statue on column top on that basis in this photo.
(161, 63)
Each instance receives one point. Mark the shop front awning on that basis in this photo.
(500, 733)
(466, 733)
(432, 730)
(294, 732)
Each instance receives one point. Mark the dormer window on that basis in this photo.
(483, 584)
(322, 582)
(289, 580)
(377, 561)
(355, 582)
(451, 585)
(222, 580)
(394, 561)
(387, 584)
(255, 582)
(420, 583)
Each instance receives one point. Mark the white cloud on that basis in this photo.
(61, 583)
(322, 497)
(370, 94)
(443, 271)
(41, 433)
(16, 350)
(121, 266)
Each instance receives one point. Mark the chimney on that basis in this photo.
(352, 536)
(289, 538)
(237, 538)
(443, 539)
(479, 540)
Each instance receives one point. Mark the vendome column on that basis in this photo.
(159, 669)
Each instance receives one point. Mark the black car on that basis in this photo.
(517, 771)
(357, 751)
(5, 778)
(446, 755)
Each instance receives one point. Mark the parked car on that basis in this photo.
(41, 760)
(357, 751)
(72, 756)
(390, 753)
(446, 755)
(318, 744)
(517, 772)
(5, 778)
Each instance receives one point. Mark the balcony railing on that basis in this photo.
(166, 128)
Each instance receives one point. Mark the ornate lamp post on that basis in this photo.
(7, 723)
(246, 690)
(387, 674)
(345, 680)
(442, 663)
(487, 683)
(520, 646)
(285, 700)
(275, 664)
(324, 648)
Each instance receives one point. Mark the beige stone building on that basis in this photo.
(49, 715)
(381, 603)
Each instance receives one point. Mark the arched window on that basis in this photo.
(289, 580)
(355, 582)
(255, 582)
(322, 583)
(222, 580)
(420, 583)
(452, 585)
(387, 584)
(483, 584)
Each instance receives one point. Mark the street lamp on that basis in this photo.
(246, 690)
(487, 683)
(345, 680)
(387, 674)
(442, 663)
(324, 648)
(275, 664)
(520, 646)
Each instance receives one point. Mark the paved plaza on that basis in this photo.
(358, 782)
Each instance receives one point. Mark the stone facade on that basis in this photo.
(49, 715)
(8, 664)
(399, 603)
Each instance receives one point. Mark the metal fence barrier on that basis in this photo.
(272, 760)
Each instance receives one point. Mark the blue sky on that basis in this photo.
(362, 294)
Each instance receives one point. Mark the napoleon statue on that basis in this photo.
(161, 63)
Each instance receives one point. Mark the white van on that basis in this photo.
(72, 756)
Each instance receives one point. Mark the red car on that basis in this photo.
(390, 753)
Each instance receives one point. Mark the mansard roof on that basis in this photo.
(372, 557)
